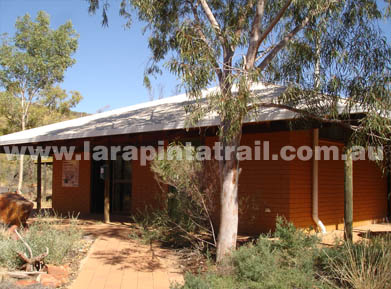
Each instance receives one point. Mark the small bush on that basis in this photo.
(284, 262)
(60, 240)
(363, 265)
(293, 259)
(190, 199)
(292, 239)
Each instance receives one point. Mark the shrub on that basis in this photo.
(61, 241)
(286, 261)
(8, 249)
(363, 265)
(292, 239)
(191, 188)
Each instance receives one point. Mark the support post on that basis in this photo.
(107, 192)
(45, 181)
(39, 183)
(388, 195)
(348, 196)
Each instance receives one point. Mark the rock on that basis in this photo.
(50, 281)
(25, 283)
(61, 273)
(14, 209)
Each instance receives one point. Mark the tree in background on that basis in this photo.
(233, 44)
(54, 106)
(40, 114)
(31, 62)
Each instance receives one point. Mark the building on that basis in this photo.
(295, 189)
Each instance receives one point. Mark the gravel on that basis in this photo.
(8, 285)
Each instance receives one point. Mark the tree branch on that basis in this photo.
(242, 19)
(282, 44)
(212, 20)
(204, 39)
(258, 39)
(254, 34)
(290, 35)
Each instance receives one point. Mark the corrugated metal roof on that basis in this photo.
(164, 114)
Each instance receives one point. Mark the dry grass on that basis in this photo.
(364, 265)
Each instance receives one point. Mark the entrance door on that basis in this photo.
(97, 187)
(120, 178)
(121, 186)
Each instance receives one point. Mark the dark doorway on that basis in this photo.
(97, 187)
(121, 186)
(120, 178)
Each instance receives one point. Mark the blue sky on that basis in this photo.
(110, 61)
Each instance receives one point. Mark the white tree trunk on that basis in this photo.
(20, 181)
(21, 160)
(228, 230)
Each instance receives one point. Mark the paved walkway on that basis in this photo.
(117, 262)
(358, 233)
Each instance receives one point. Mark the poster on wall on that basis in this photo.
(70, 174)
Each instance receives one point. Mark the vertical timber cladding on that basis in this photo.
(300, 184)
(75, 197)
(369, 189)
(147, 194)
(263, 185)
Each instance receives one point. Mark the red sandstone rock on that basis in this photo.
(50, 281)
(24, 283)
(14, 209)
(61, 273)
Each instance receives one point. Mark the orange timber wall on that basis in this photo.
(146, 193)
(67, 199)
(267, 188)
(145, 190)
(369, 189)
(263, 186)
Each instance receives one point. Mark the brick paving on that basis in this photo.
(359, 232)
(117, 262)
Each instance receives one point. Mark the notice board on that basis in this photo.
(70, 173)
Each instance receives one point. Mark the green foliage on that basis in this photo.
(162, 226)
(31, 63)
(192, 183)
(152, 226)
(328, 52)
(54, 107)
(294, 259)
(56, 100)
(62, 241)
(332, 47)
(291, 239)
(37, 56)
(286, 261)
(9, 175)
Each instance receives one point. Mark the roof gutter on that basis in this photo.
(315, 185)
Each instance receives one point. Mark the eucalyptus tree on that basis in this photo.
(54, 105)
(32, 61)
(347, 62)
(233, 44)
